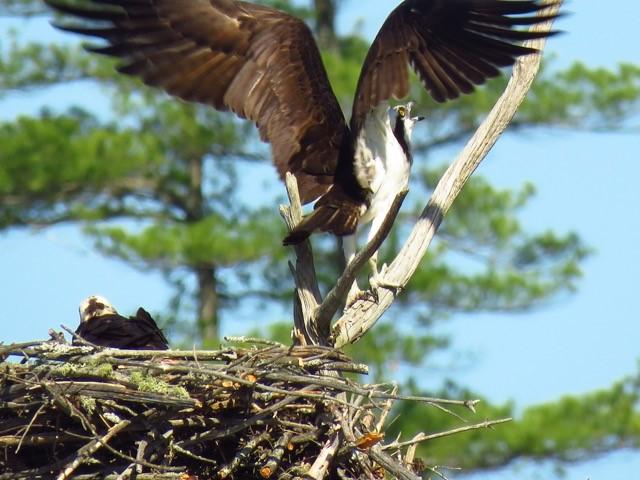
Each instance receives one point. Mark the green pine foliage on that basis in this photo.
(484, 259)
(571, 429)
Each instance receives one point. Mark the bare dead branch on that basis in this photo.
(424, 437)
(242, 455)
(89, 449)
(396, 469)
(275, 457)
(304, 273)
(319, 468)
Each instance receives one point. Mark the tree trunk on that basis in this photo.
(208, 304)
(207, 293)
(325, 23)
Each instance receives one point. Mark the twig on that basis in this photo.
(38, 439)
(364, 314)
(12, 348)
(347, 428)
(275, 457)
(424, 437)
(435, 470)
(410, 455)
(92, 447)
(386, 410)
(237, 426)
(200, 355)
(345, 385)
(319, 468)
(126, 473)
(59, 397)
(449, 411)
(109, 391)
(80, 339)
(91, 354)
(242, 455)
(190, 454)
(142, 446)
(254, 340)
(140, 476)
(286, 377)
(395, 468)
(141, 462)
(31, 422)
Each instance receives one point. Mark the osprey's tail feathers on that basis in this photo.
(336, 215)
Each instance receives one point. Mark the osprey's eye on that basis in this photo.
(402, 111)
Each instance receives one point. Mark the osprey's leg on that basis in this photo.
(373, 261)
(377, 279)
(349, 247)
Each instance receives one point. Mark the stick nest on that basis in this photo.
(247, 412)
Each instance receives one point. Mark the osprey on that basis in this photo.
(264, 65)
(101, 324)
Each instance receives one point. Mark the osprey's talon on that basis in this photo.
(378, 281)
(357, 294)
(383, 271)
(353, 296)
(394, 287)
(373, 294)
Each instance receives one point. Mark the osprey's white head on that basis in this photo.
(95, 306)
(403, 115)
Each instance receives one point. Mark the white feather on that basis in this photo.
(95, 306)
(381, 166)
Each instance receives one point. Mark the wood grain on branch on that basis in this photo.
(305, 330)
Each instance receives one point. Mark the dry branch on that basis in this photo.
(306, 328)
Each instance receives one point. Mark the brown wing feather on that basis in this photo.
(256, 61)
(337, 212)
(452, 45)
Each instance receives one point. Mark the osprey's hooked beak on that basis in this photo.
(404, 111)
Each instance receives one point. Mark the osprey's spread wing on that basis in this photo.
(264, 65)
(258, 62)
(451, 44)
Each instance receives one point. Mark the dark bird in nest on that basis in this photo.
(102, 325)
(264, 65)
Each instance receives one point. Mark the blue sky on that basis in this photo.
(586, 182)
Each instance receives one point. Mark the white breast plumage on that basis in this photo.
(381, 165)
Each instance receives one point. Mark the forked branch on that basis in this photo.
(312, 315)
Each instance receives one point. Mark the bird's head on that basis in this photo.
(404, 121)
(95, 306)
